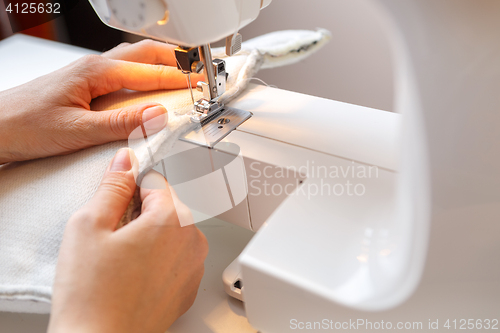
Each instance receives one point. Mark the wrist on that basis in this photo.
(80, 327)
(83, 322)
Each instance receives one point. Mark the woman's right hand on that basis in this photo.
(139, 278)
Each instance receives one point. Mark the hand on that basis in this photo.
(139, 278)
(51, 115)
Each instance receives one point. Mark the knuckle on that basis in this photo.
(203, 245)
(123, 44)
(183, 214)
(124, 121)
(198, 243)
(91, 60)
(184, 211)
(163, 73)
(152, 48)
(172, 217)
(80, 215)
(192, 298)
(83, 217)
(117, 185)
(147, 43)
(203, 239)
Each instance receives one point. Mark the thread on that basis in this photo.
(190, 86)
(248, 80)
(188, 76)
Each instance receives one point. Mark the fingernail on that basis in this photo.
(121, 161)
(155, 118)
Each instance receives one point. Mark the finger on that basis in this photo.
(157, 201)
(146, 51)
(124, 44)
(160, 202)
(183, 212)
(105, 75)
(115, 191)
(142, 77)
(106, 126)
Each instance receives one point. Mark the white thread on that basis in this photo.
(249, 79)
(188, 76)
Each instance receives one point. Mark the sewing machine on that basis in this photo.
(324, 256)
(173, 22)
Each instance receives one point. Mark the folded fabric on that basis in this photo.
(38, 197)
(267, 51)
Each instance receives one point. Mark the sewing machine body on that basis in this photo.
(187, 23)
(321, 168)
(364, 250)
(173, 21)
(336, 258)
(306, 127)
(348, 257)
(346, 133)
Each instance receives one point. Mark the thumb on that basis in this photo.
(115, 191)
(113, 125)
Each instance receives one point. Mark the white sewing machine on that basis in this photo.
(174, 22)
(331, 256)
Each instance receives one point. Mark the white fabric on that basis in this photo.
(267, 51)
(38, 197)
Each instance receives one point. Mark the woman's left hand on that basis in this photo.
(51, 115)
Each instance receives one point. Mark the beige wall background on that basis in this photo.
(355, 67)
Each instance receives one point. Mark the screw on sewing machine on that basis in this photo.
(237, 284)
(223, 121)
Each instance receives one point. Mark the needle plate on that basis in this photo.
(217, 126)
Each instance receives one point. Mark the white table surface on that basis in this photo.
(23, 58)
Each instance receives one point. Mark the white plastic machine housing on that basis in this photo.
(184, 22)
(320, 256)
(323, 262)
(377, 256)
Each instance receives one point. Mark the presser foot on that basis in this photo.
(216, 126)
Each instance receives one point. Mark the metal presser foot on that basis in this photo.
(215, 120)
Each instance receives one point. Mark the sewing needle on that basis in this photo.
(190, 87)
